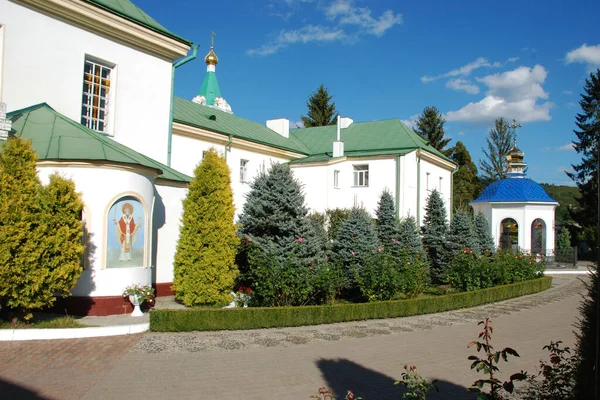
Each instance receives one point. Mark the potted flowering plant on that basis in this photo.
(243, 295)
(137, 294)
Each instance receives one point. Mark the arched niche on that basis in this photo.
(509, 235)
(538, 236)
(126, 233)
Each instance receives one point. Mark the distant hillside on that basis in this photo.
(567, 197)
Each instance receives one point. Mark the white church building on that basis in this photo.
(80, 93)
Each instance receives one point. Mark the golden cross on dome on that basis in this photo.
(212, 43)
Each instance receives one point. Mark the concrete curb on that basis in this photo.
(71, 333)
(566, 272)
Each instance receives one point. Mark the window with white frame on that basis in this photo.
(96, 101)
(336, 178)
(244, 171)
(361, 175)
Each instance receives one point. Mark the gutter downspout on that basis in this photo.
(452, 192)
(419, 189)
(398, 171)
(227, 146)
(177, 64)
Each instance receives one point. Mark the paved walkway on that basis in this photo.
(290, 363)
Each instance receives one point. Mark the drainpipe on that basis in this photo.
(398, 158)
(452, 192)
(227, 146)
(419, 188)
(177, 64)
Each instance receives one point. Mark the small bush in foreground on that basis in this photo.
(556, 378)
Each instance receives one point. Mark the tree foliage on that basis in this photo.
(430, 126)
(387, 228)
(356, 242)
(483, 234)
(321, 110)
(40, 232)
(499, 142)
(408, 236)
(586, 340)
(204, 264)
(435, 235)
(461, 232)
(585, 174)
(466, 186)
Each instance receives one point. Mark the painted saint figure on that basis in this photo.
(127, 231)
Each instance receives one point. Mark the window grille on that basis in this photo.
(96, 99)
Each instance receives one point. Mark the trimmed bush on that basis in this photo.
(206, 319)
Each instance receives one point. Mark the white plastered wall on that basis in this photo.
(99, 187)
(44, 62)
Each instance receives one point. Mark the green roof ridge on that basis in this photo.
(128, 10)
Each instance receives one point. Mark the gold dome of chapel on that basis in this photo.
(211, 58)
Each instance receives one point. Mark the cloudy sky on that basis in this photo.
(474, 60)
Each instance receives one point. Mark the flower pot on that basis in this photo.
(136, 302)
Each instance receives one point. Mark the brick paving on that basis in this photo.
(291, 363)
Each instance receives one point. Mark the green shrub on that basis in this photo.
(379, 278)
(206, 319)
(467, 272)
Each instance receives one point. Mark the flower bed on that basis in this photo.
(205, 319)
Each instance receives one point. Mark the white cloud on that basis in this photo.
(465, 70)
(570, 104)
(411, 122)
(513, 59)
(545, 148)
(462, 84)
(511, 94)
(566, 147)
(306, 34)
(461, 133)
(585, 54)
(348, 23)
(567, 92)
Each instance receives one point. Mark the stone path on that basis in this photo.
(290, 363)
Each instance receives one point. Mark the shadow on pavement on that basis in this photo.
(342, 375)
(10, 390)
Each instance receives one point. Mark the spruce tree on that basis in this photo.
(585, 174)
(408, 236)
(40, 233)
(466, 186)
(461, 232)
(435, 235)
(204, 266)
(356, 242)
(499, 142)
(387, 228)
(321, 110)
(483, 234)
(430, 126)
(563, 239)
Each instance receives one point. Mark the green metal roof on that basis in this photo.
(198, 115)
(210, 88)
(56, 137)
(128, 10)
(363, 139)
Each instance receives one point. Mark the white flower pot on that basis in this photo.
(135, 301)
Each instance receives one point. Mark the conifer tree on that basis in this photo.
(435, 235)
(466, 186)
(499, 142)
(204, 266)
(430, 126)
(483, 234)
(387, 228)
(356, 242)
(321, 110)
(563, 239)
(40, 232)
(586, 340)
(408, 236)
(461, 232)
(585, 174)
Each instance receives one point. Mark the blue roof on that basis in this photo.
(514, 190)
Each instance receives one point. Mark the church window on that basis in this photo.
(361, 175)
(244, 171)
(97, 91)
(336, 179)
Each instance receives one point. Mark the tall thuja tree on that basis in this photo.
(499, 142)
(387, 228)
(40, 233)
(585, 174)
(204, 266)
(435, 235)
(461, 232)
(483, 233)
(357, 241)
(321, 110)
(430, 126)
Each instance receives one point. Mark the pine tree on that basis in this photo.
(483, 233)
(204, 265)
(430, 125)
(563, 239)
(408, 236)
(586, 173)
(461, 232)
(499, 142)
(356, 242)
(40, 233)
(435, 235)
(466, 186)
(387, 228)
(586, 341)
(321, 110)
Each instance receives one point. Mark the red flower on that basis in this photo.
(379, 250)
(300, 240)
(393, 240)
(353, 253)
(249, 240)
(350, 395)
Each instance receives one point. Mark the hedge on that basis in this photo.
(210, 319)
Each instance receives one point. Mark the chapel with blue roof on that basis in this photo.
(520, 212)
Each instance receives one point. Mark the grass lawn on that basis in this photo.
(43, 322)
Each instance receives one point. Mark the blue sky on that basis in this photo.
(473, 60)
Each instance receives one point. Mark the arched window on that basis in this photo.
(538, 236)
(509, 235)
(125, 233)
